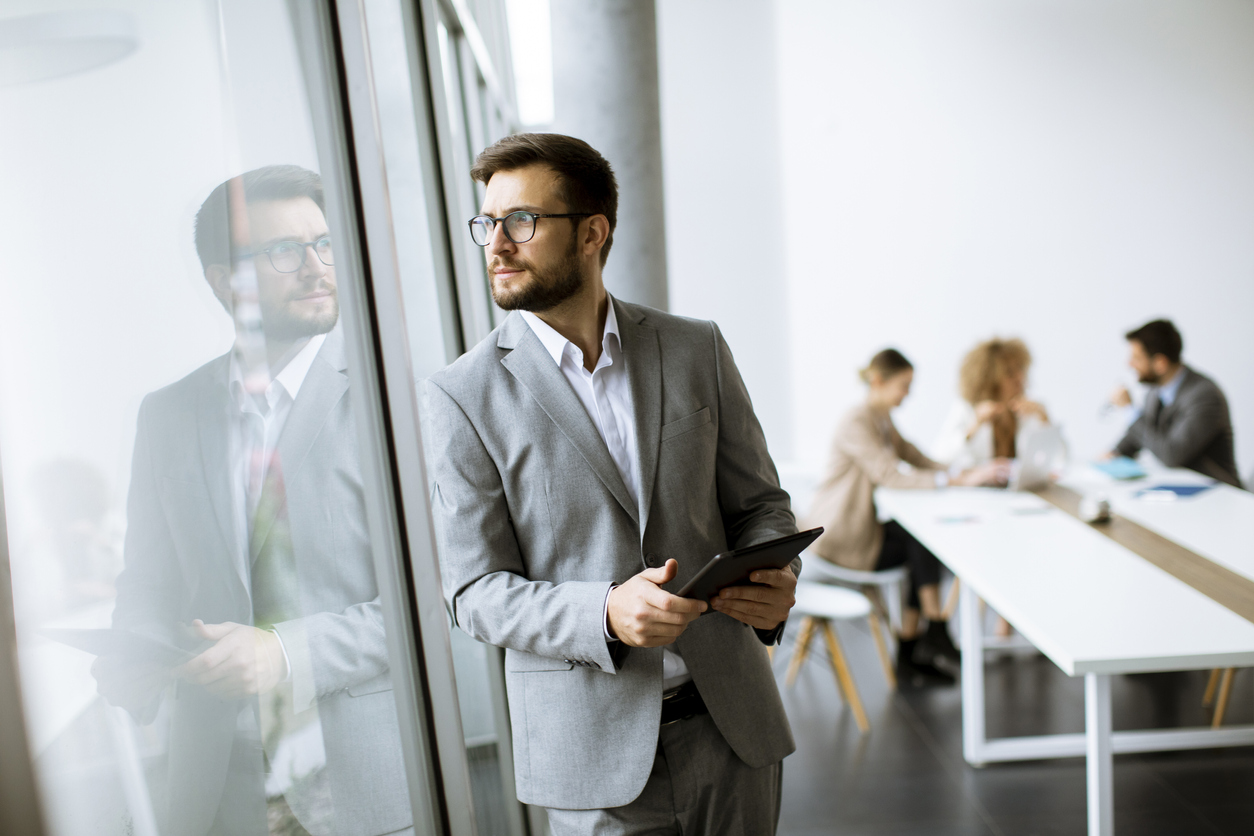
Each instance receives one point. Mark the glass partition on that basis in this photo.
(205, 641)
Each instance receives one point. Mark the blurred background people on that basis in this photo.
(1185, 421)
(867, 452)
(994, 413)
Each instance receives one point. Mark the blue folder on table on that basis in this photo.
(1121, 468)
(1171, 491)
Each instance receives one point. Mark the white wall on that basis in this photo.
(721, 165)
(101, 175)
(1060, 170)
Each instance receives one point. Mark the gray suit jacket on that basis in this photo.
(1194, 432)
(534, 524)
(182, 563)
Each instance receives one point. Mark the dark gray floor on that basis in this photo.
(907, 777)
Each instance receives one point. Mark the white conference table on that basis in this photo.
(1090, 605)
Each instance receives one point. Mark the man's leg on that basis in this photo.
(714, 791)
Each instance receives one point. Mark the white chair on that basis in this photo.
(819, 605)
(883, 590)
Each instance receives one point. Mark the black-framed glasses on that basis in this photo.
(289, 256)
(520, 226)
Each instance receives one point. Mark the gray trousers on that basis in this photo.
(697, 786)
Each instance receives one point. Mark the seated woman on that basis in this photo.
(867, 453)
(994, 413)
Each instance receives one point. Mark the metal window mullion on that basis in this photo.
(472, 291)
(20, 811)
(351, 158)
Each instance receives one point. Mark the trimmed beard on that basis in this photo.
(547, 289)
(280, 327)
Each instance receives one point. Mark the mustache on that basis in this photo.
(508, 263)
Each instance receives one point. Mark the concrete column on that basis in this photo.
(605, 91)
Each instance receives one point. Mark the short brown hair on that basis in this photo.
(988, 364)
(886, 364)
(271, 182)
(585, 179)
(1158, 337)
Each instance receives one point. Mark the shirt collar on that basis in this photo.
(555, 344)
(1167, 394)
(291, 377)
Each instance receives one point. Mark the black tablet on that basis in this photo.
(135, 647)
(733, 568)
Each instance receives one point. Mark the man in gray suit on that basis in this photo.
(1185, 421)
(590, 456)
(246, 544)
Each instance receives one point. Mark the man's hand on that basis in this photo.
(1120, 397)
(764, 607)
(642, 614)
(243, 660)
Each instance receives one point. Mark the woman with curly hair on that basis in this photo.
(995, 413)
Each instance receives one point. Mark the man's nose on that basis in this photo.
(499, 242)
(313, 267)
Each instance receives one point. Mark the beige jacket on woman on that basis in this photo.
(867, 452)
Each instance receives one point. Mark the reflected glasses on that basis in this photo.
(289, 256)
(520, 227)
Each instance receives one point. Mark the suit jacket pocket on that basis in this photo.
(686, 424)
(382, 682)
(519, 661)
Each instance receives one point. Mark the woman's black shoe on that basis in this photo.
(913, 672)
(937, 649)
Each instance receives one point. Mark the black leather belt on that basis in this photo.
(682, 703)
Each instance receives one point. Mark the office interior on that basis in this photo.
(822, 179)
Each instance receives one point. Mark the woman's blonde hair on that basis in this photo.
(988, 364)
(886, 363)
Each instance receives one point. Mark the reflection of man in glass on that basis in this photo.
(247, 547)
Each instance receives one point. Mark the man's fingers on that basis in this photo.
(662, 600)
(213, 632)
(662, 574)
(778, 578)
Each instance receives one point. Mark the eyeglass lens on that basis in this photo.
(289, 256)
(520, 227)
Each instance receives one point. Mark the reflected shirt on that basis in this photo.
(257, 422)
(606, 396)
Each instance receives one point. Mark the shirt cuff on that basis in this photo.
(942, 479)
(605, 614)
(287, 663)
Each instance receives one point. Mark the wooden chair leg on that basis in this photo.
(804, 634)
(1225, 690)
(881, 647)
(844, 680)
(951, 600)
(1208, 698)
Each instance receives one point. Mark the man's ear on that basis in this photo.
(219, 278)
(598, 231)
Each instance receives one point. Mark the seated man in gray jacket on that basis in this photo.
(1185, 421)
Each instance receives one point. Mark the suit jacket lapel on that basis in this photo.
(213, 427)
(644, 376)
(533, 367)
(324, 386)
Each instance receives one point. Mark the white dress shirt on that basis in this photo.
(257, 422)
(606, 395)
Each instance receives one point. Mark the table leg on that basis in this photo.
(1100, 752)
(972, 636)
